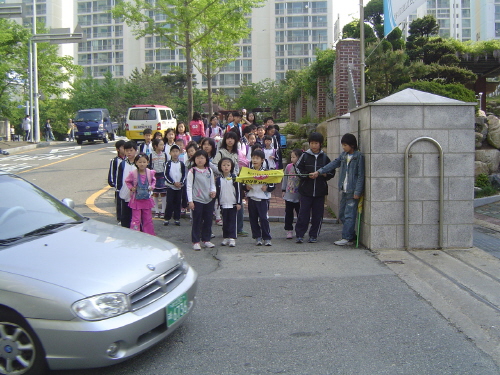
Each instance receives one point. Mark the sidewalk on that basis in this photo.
(13, 147)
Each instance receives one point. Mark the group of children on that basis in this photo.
(200, 176)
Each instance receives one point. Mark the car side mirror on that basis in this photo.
(69, 202)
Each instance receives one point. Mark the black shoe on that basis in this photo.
(178, 223)
(299, 240)
(166, 222)
(312, 240)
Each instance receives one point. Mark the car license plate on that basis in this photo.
(177, 309)
(86, 133)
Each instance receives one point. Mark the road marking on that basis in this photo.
(59, 161)
(90, 202)
(73, 148)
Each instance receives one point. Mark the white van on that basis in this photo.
(145, 116)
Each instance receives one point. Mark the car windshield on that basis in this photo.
(142, 114)
(28, 210)
(89, 116)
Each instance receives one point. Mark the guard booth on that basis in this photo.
(419, 186)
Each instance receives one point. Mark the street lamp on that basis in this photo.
(55, 36)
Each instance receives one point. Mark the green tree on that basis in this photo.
(53, 70)
(182, 27)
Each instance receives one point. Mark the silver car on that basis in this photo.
(75, 292)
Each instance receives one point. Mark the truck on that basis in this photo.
(94, 124)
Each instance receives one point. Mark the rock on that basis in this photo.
(479, 138)
(495, 180)
(323, 129)
(480, 168)
(481, 125)
(493, 137)
(490, 157)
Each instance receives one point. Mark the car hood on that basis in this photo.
(92, 258)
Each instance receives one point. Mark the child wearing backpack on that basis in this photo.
(201, 193)
(141, 183)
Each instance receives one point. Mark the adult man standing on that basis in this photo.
(27, 127)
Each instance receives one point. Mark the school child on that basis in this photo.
(228, 149)
(157, 162)
(235, 125)
(197, 128)
(351, 183)
(181, 133)
(261, 132)
(124, 169)
(208, 145)
(214, 131)
(182, 156)
(229, 196)
(175, 177)
(158, 135)
(312, 190)
(201, 193)
(271, 130)
(290, 188)
(147, 146)
(252, 138)
(270, 152)
(258, 203)
(141, 183)
(191, 148)
(169, 141)
(113, 174)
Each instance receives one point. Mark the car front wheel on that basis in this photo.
(20, 350)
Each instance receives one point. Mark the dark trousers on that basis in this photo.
(229, 222)
(257, 213)
(289, 208)
(184, 197)
(174, 198)
(118, 204)
(126, 213)
(311, 208)
(202, 221)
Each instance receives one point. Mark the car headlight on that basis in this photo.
(102, 306)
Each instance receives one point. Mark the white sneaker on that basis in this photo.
(225, 242)
(343, 242)
(196, 246)
(232, 242)
(208, 244)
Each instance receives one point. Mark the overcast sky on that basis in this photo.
(348, 9)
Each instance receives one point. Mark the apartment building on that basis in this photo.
(285, 36)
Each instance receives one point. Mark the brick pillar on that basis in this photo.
(348, 52)
(321, 97)
(292, 112)
(303, 104)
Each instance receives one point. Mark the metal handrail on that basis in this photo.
(407, 190)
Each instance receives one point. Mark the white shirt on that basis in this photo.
(344, 186)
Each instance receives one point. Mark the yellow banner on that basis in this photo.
(251, 176)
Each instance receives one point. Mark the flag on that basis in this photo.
(396, 11)
(251, 176)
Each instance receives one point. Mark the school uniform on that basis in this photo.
(175, 171)
(229, 194)
(258, 205)
(124, 193)
(145, 148)
(199, 184)
(112, 176)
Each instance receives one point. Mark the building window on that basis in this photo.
(102, 19)
(465, 3)
(85, 47)
(229, 80)
(103, 5)
(165, 54)
(297, 7)
(466, 33)
(280, 76)
(319, 7)
(85, 59)
(466, 22)
(233, 66)
(246, 78)
(280, 37)
(118, 71)
(118, 57)
(280, 50)
(319, 35)
(465, 13)
(319, 21)
(103, 58)
(443, 4)
(280, 64)
(246, 51)
(298, 35)
(279, 8)
(302, 21)
(118, 44)
(85, 7)
(280, 22)
(298, 49)
(118, 31)
(102, 45)
(85, 20)
(102, 32)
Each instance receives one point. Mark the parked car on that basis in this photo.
(147, 116)
(79, 293)
(94, 125)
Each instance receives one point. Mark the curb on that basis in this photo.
(32, 146)
(478, 202)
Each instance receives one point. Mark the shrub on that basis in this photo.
(295, 129)
(482, 181)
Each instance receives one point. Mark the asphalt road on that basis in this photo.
(287, 309)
